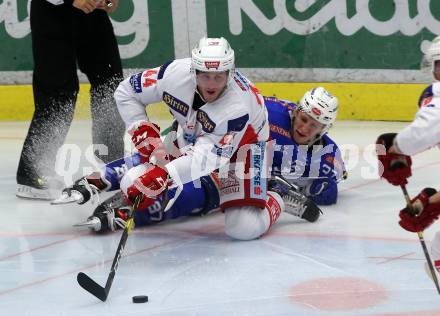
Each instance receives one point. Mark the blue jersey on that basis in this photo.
(196, 198)
(315, 169)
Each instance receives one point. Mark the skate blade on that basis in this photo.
(93, 223)
(66, 199)
(27, 192)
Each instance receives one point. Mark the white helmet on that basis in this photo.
(320, 105)
(213, 54)
(433, 53)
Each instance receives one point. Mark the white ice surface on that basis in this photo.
(355, 260)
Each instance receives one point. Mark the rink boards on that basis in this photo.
(357, 101)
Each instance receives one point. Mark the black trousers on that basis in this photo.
(64, 39)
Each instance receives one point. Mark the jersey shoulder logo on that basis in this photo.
(136, 82)
(208, 125)
(175, 104)
(238, 124)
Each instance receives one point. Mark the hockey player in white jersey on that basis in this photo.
(291, 127)
(221, 124)
(422, 134)
(304, 155)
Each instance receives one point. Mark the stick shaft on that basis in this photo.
(128, 227)
(91, 286)
(405, 193)
(428, 258)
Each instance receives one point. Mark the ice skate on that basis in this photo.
(81, 191)
(110, 215)
(295, 202)
(39, 188)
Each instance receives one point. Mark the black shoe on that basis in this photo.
(40, 188)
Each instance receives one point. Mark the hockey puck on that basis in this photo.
(140, 299)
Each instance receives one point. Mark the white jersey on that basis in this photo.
(212, 133)
(424, 132)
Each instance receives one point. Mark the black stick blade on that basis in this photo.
(91, 286)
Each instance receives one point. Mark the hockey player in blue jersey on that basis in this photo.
(304, 153)
(304, 156)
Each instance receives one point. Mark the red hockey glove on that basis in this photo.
(146, 137)
(395, 168)
(426, 213)
(152, 183)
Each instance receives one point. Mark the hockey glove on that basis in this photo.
(395, 168)
(152, 183)
(422, 214)
(146, 137)
(316, 187)
(322, 191)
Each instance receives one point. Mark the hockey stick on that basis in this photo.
(90, 285)
(422, 241)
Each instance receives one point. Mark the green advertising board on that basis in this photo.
(354, 34)
(320, 38)
(144, 32)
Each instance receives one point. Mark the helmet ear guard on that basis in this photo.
(320, 105)
(213, 55)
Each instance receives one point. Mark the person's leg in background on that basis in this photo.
(55, 88)
(99, 59)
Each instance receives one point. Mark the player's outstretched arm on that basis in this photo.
(394, 167)
(106, 180)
